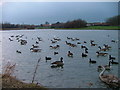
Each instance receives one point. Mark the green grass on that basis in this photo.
(90, 28)
(102, 27)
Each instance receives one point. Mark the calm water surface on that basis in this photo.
(76, 72)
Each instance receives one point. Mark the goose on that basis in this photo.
(35, 46)
(78, 42)
(86, 51)
(18, 51)
(84, 55)
(55, 53)
(111, 58)
(73, 45)
(10, 39)
(107, 46)
(107, 67)
(67, 43)
(86, 48)
(113, 62)
(35, 50)
(92, 44)
(77, 39)
(48, 58)
(110, 80)
(39, 39)
(58, 39)
(58, 63)
(70, 54)
(101, 54)
(113, 41)
(102, 49)
(53, 41)
(12, 36)
(85, 42)
(68, 38)
(91, 61)
(55, 47)
(82, 46)
(37, 42)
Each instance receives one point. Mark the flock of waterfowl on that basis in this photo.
(108, 79)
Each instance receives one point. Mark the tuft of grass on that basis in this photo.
(8, 81)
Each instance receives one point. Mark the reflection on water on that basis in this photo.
(77, 72)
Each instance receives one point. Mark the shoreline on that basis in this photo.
(13, 82)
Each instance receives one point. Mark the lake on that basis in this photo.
(77, 72)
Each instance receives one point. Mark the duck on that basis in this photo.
(109, 79)
(92, 61)
(70, 54)
(58, 63)
(47, 58)
(84, 55)
(111, 58)
(113, 62)
(101, 54)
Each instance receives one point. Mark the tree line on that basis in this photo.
(79, 23)
(70, 24)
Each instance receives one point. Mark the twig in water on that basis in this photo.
(35, 70)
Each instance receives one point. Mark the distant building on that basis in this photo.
(97, 24)
(46, 25)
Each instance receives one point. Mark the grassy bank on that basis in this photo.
(12, 82)
(102, 28)
(95, 28)
(8, 81)
(85, 28)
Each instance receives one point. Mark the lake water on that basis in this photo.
(77, 72)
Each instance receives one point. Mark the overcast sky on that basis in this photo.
(40, 12)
